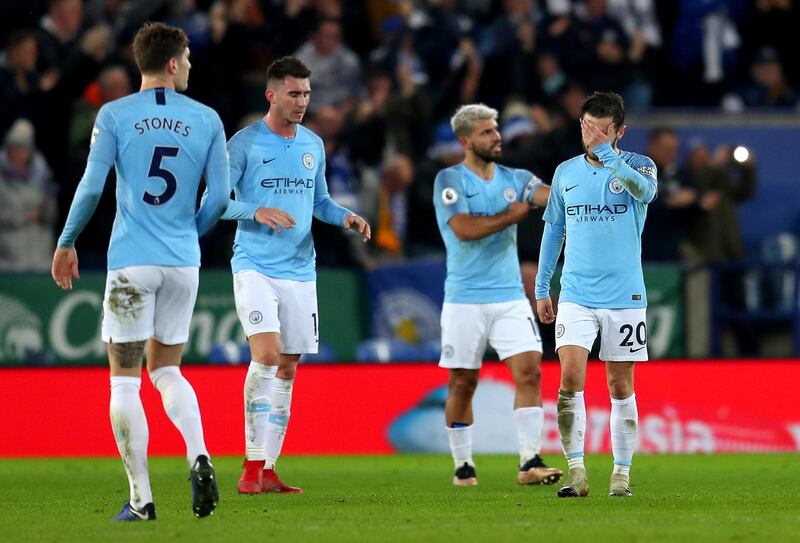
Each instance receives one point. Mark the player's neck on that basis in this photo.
(156, 81)
(279, 126)
(481, 168)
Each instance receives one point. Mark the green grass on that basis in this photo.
(409, 498)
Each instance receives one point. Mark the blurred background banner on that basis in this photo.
(684, 407)
(42, 325)
(405, 300)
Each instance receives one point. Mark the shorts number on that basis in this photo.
(314, 317)
(157, 171)
(641, 334)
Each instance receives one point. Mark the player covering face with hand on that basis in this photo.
(598, 204)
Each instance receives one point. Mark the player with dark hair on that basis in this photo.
(278, 177)
(160, 144)
(598, 204)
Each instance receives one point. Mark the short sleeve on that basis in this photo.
(526, 183)
(103, 143)
(554, 212)
(448, 195)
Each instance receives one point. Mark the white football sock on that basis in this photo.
(131, 434)
(256, 408)
(624, 425)
(280, 399)
(180, 403)
(572, 426)
(461, 445)
(530, 422)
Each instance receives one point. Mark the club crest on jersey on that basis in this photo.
(615, 186)
(510, 194)
(308, 160)
(256, 317)
(449, 196)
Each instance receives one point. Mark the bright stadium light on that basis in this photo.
(741, 154)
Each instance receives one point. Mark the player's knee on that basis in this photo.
(464, 385)
(286, 370)
(266, 353)
(571, 381)
(127, 355)
(529, 376)
(619, 386)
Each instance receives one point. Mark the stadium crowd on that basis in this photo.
(386, 76)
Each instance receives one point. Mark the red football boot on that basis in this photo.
(270, 482)
(250, 481)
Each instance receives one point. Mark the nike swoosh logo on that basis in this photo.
(266, 161)
(570, 188)
(143, 516)
(472, 195)
(637, 350)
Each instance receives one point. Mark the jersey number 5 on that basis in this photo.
(157, 171)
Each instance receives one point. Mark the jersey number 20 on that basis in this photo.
(157, 171)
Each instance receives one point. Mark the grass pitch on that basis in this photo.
(410, 498)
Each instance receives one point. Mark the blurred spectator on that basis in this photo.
(385, 204)
(640, 21)
(509, 48)
(445, 151)
(774, 23)
(721, 183)
(112, 83)
(766, 88)
(185, 15)
(599, 48)
(334, 67)
(704, 50)
(408, 112)
(366, 131)
(20, 81)
(669, 215)
(27, 203)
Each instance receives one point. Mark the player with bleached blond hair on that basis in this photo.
(478, 205)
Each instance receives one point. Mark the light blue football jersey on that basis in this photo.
(602, 211)
(484, 270)
(161, 144)
(268, 170)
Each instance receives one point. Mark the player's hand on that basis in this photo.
(65, 267)
(544, 308)
(274, 218)
(362, 226)
(518, 211)
(593, 136)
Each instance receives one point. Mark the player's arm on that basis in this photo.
(535, 192)
(218, 188)
(640, 182)
(102, 153)
(327, 210)
(237, 210)
(451, 205)
(468, 227)
(549, 251)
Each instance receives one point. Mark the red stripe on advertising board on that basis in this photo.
(684, 406)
